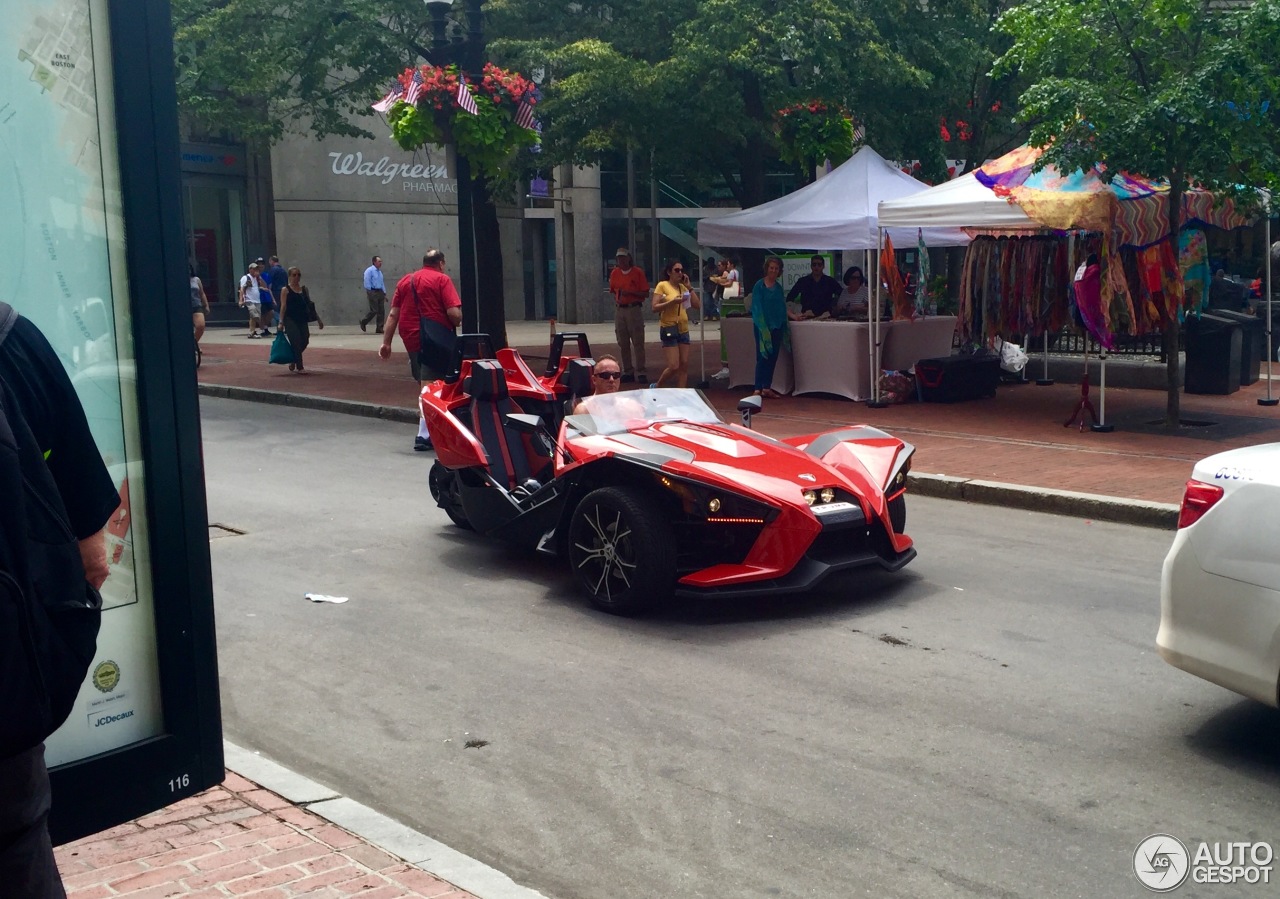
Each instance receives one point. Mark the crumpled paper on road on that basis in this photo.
(322, 597)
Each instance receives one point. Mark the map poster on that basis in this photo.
(62, 265)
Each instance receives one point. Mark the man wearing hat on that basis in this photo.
(630, 289)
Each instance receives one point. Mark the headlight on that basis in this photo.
(810, 497)
(828, 494)
(898, 475)
(716, 505)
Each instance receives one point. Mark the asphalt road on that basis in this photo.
(993, 721)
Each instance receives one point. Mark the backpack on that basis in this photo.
(49, 613)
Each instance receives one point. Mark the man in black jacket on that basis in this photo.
(33, 381)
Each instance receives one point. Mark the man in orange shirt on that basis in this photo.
(630, 289)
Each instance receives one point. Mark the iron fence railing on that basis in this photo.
(1075, 343)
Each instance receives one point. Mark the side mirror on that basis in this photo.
(524, 424)
(749, 406)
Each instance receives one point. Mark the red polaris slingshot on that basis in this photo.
(646, 493)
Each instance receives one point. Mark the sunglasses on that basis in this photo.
(676, 271)
(609, 375)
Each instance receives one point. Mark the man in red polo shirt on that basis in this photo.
(630, 289)
(428, 293)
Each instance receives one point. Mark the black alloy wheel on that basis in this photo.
(447, 492)
(620, 551)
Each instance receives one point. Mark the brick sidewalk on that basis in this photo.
(239, 840)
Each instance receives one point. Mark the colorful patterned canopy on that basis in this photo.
(1137, 208)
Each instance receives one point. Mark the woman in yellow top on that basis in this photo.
(672, 298)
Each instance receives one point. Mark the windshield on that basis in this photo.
(613, 413)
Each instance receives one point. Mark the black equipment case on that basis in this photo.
(953, 379)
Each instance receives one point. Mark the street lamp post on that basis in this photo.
(469, 56)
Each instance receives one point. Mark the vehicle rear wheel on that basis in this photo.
(447, 492)
(620, 552)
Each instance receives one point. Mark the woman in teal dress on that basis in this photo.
(769, 315)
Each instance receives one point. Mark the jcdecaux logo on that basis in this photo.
(101, 720)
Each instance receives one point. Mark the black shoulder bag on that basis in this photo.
(435, 341)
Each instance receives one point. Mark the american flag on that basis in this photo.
(859, 133)
(415, 88)
(390, 99)
(465, 100)
(524, 114)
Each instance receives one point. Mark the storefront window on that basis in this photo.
(214, 226)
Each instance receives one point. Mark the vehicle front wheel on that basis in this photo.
(623, 557)
(446, 491)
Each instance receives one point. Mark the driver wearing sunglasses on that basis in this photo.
(606, 377)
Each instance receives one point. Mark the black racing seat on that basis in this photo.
(509, 461)
(557, 348)
(577, 378)
(468, 346)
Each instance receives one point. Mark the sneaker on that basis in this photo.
(722, 373)
(255, 336)
(422, 445)
(364, 326)
(266, 333)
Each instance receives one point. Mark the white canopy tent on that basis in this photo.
(964, 202)
(837, 212)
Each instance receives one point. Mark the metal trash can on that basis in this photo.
(1253, 339)
(1213, 355)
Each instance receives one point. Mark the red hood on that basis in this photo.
(743, 460)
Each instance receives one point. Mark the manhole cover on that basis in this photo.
(224, 530)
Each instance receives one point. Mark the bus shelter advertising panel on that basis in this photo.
(83, 212)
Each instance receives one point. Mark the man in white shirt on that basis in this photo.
(251, 298)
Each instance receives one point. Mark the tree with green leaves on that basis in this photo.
(698, 85)
(1175, 90)
(701, 82)
(252, 69)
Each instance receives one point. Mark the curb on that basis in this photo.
(940, 486)
(1043, 499)
(373, 827)
(304, 401)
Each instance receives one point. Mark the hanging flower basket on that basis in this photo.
(813, 131)
(488, 138)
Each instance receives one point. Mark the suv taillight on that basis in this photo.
(1198, 499)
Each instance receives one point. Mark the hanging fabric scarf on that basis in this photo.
(922, 274)
(903, 307)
